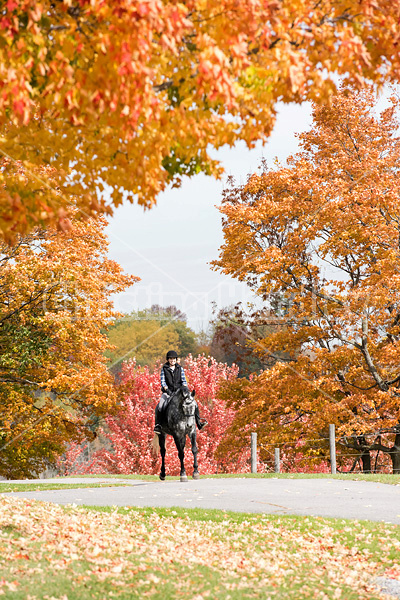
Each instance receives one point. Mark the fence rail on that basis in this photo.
(341, 451)
(277, 458)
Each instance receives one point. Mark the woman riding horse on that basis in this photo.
(172, 378)
(180, 423)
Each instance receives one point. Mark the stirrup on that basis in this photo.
(157, 429)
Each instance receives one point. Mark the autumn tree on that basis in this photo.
(235, 329)
(168, 312)
(324, 232)
(147, 334)
(54, 308)
(130, 431)
(171, 315)
(125, 98)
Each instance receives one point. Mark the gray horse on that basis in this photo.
(178, 421)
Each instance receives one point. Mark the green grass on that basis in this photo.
(34, 487)
(6, 487)
(375, 477)
(101, 553)
(219, 516)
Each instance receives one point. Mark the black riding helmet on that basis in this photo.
(171, 354)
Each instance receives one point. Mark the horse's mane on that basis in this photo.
(181, 391)
(184, 389)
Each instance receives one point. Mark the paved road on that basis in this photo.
(314, 497)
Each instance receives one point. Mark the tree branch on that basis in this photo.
(28, 302)
(368, 359)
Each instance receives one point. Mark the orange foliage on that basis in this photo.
(54, 309)
(127, 97)
(324, 234)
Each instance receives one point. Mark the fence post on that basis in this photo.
(332, 448)
(277, 467)
(254, 453)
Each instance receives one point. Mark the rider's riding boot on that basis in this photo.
(199, 422)
(157, 428)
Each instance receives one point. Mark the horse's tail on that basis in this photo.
(155, 445)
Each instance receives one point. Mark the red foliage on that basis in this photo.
(68, 463)
(130, 431)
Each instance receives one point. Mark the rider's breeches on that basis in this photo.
(160, 408)
(163, 401)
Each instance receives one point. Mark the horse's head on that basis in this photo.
(187, 401)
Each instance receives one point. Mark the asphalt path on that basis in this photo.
(308, 497)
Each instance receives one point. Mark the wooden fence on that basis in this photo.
(277, 460)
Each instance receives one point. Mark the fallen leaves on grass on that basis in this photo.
(251, 555)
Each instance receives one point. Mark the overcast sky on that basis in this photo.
(170, 246)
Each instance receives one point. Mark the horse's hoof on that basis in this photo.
(184, 478)
(162, 478)
(196, 475)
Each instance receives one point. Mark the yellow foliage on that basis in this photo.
(129, 96)
(147, 341)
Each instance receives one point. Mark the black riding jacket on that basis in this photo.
(174, 379)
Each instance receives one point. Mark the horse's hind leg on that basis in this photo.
(162, 452)
(193, 439)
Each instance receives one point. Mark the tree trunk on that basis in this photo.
(366, 454)
(366, 462)
(395, 454)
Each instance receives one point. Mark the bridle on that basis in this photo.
(188, 404)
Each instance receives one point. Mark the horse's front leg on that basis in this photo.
(180, 446)
(193, 440)
(161, 438)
